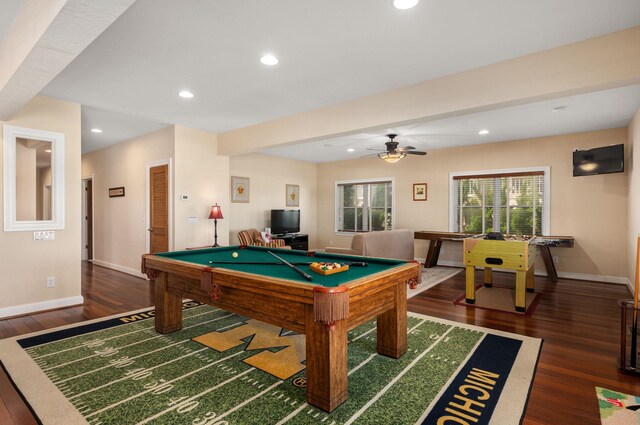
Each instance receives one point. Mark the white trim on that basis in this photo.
(150, 165)
(360, 181)
(118, 267)
(546, 219)
(11, 224)
(18, 310)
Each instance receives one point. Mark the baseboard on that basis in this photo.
(19, 310)
(118, 267)
(618, 280)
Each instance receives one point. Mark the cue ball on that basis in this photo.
(234, 255)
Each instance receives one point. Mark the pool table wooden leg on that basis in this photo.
(470, 284)
(168, 306)
(326, 362)
(392, 326)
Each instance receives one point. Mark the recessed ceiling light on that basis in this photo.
(404, 4)
(96, 130)
(47, 150)
(351, 150)
(559, 108)
(269, 60)
(483, 132)
(186, 94)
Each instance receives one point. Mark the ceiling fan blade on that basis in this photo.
(406, 148)
(415, 153)
(378, 150)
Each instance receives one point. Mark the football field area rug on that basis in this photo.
(223, 368)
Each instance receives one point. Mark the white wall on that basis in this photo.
(203, 176)
(632, 159)
(120, 224)
(26, 264)
(268, 179)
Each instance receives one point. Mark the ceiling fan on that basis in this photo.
(393, 153)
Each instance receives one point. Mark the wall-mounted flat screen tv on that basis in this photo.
(604, 160)
(285, 221)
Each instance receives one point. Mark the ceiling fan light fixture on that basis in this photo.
(391, 157)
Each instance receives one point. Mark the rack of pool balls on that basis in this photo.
(328, 267)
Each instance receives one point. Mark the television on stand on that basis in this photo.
(285, 221)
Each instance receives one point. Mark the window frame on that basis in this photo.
(546, 170)
(338, 201)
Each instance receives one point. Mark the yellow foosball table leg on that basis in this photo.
(530, 279)
(470, 285)
(521, 283)
(488, 277)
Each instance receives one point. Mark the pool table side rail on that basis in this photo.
(369, 296)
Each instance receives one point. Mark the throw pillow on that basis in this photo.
(266, 236)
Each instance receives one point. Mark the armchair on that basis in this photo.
(253, 238)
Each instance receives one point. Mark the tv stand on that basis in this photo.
(295, 240)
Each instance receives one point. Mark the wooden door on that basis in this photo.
(159, 209)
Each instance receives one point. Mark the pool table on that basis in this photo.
(323, 309)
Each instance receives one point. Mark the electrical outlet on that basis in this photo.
(555, 259)
(51, 281)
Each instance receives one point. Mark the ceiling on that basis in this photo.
(330, 52)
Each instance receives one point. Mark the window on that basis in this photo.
(507, 201)
(364, 205)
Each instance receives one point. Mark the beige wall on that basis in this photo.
(203, 176)
(268, 179)
(120, 224)
(26, 264)
(633, 158)
(592, 209)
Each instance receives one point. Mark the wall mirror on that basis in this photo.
(33, 179)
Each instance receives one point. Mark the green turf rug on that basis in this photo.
(618, 408)
(118, 370)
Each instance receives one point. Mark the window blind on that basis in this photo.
(510, 203)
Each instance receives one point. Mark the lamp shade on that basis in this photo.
(216, 212)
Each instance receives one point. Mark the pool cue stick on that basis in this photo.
(300, 272)
(634, 325)
(295, 263)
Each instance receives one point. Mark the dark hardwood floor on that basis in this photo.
(578, 320)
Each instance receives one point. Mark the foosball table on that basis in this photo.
(513, 253)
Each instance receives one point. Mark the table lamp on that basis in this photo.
(215, 214)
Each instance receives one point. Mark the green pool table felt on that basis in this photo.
(259, 254)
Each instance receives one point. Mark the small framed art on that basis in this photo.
(115, 192)
(240, 189)
(419, 191)
(293, 195)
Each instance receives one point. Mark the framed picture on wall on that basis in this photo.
(115, 192)
(419, 191)
(240, 189)
(293, 195)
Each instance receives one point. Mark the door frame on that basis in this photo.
(169, 163)
(84, 222)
